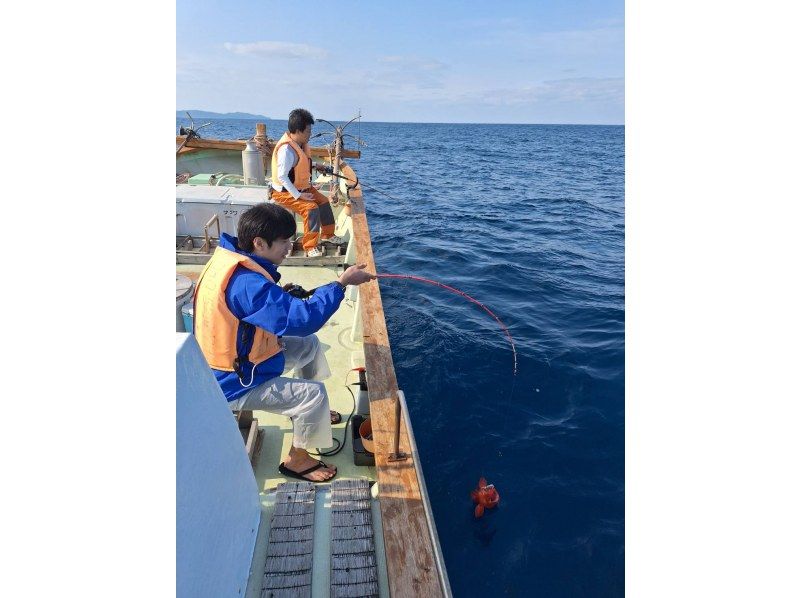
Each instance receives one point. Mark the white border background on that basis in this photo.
(88, 429)
(711, 299)
(711, 311)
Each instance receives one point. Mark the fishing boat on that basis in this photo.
(242, 528)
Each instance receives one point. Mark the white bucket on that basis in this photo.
(183, 295)
(187, 313)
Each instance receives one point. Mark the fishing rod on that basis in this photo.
(329, 171)
(463, 294)
(301, 293)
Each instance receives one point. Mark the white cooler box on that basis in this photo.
(195, 205)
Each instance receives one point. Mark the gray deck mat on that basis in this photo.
(353, 566)
(287, 571)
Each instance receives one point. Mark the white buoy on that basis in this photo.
(252, 165)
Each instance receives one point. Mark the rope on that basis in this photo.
(334, 197)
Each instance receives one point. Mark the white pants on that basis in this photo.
(303, 399)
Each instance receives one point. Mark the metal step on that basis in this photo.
(335, 521)
(287, 570)
(354, 569)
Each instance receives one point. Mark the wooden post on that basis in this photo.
(263, 145)
(337, 156)
(397, 454)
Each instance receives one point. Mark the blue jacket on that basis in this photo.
(256, 300)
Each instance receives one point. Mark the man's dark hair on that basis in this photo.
(266, 220)
(299, 119)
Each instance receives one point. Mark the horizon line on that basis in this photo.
(415, 122)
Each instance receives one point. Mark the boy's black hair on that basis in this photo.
(299, 119)
(266, 220)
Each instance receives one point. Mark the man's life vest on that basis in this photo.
(215, 326)
(300, 174)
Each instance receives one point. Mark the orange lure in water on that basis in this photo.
(486, 496)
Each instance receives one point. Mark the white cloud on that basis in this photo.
(404, 76)
(587, 90)
(605, 36)
(412, 62)
(191, 70)
(277, 49)
(576, 42)
(399, 87)
(610, 22)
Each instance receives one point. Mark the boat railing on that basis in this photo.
(437, 548)
(413, 555)
(193, 144)
(206, 248)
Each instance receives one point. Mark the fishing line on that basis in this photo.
(329, 171)
(463, 294)
(376, 190)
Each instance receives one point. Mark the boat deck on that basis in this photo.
(408, 560)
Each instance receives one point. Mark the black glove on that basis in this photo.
(296, 290)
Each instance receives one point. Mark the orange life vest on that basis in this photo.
(302, 170)
(215, 326)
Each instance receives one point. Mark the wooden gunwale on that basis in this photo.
(411, 558)
(225, 144)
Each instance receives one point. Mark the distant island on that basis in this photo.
(196, 114)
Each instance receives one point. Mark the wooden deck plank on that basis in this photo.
(410, 554)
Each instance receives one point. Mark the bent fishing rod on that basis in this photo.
(301, 293)
(463, 294)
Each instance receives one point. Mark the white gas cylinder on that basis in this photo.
(252, 165)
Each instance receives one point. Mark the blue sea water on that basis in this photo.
(528, 219)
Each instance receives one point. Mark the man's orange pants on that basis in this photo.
(317, 215)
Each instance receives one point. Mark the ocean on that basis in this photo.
(529, 220)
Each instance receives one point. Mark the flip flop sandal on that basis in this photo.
(336, 417)
(299, 475)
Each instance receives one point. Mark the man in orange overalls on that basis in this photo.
(291, 184)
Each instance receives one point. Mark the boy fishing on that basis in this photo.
(252, 331)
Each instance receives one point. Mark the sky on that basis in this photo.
(411, 61)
